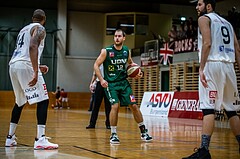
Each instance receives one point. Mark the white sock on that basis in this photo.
(113, 129)
(12, 129)
(40, 131)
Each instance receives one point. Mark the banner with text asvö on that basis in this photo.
(156, 103)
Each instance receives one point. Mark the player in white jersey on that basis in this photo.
(27, 80)
(218, 50)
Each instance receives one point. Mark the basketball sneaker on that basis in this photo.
(146, 137)
(11, 141)
(201, 153)
(114, 139)
(43, 144)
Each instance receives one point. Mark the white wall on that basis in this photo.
(85, 33)
(85, 42)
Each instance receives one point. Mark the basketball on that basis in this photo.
(133, 70)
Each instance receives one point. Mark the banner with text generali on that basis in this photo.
(171, 104)
(185, 105)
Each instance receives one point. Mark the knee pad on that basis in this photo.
(208, 111)
(230, 113)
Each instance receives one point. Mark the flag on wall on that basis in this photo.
(166, 54)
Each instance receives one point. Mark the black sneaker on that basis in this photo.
(201, 153)
(90, 127)
(114, 139)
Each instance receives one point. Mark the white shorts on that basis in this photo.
(21, 74)
(222, 87)
(64, 99)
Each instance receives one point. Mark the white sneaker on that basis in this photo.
(43, 144)
(11, 141)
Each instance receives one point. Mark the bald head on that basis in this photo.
(38, 15)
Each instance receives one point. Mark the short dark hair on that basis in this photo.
(120, 30)
(212, 2)
(38, 15)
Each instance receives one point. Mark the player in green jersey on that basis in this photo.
(117, 88)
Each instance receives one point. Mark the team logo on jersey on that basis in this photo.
(111, 54)
(110, 68)
(125, 53)
(132, 98)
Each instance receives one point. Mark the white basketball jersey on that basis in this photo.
(21, 52)
(222, 34)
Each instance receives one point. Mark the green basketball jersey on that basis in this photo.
(115, 64)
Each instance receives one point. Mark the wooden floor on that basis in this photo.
(173, 138)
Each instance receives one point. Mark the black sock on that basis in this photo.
(142, 128)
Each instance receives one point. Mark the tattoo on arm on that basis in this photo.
(38, 34)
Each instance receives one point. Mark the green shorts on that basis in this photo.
(120, 92)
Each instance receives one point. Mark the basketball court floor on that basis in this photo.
(174, 138)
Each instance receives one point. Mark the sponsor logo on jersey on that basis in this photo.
(30, 89)
(45, 89)
(226, 50)
(110, 68)
(212, 97)
(118, 61)
(35, 95)
(112, 74)
(111, 54)
(212, 94)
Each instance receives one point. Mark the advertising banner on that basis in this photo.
(156, 103)
(185, 105)
(171, 104)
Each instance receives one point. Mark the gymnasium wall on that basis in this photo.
(72, 72)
